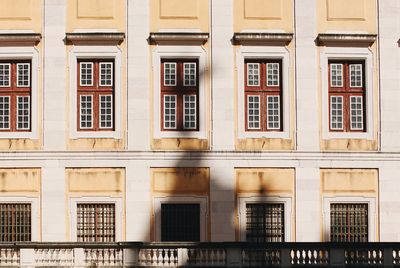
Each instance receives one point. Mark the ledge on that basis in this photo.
(281, 39)
(330, 39)
(28, 38)
(95, 37)
(181, 38)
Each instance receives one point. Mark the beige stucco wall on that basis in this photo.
(263, 15)
(96, 14)
(264, 182)
(20, 181)
(178, 14)
(345, 15)
(21, 15)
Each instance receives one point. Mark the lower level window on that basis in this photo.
(180, 222)
(15, 222)
(95, 222)
(265, 222)
(349, 222)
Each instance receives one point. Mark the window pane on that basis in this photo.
(273, 112)
(265, 223)
(106, 74)
(86, 73)
(253, 74)
(86, 103)
(180, 222)
(356, 113)
(336, 75)
(4, 74)
(23, 112)
(356, 75)
(169, 111)
(4, 112)
(106, 111)
(23, 74)
(15, 222)
(189, 112)
(253, 112)
(189, 70)
(336, 112)
(95, 222)
(349, 222)
(272, 74)
(169, 73)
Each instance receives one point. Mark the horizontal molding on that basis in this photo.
(289, 157)
(332, 39)
(171, 38)
(110, 37)
(262, 38)
(18, 38)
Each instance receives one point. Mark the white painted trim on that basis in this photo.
(35, 212)
(259, 111)
(279, 111)
(32, 54)
(345, 53)
(326, 215)
(74, 201)
(91, 110)
(182, 52)
(80, 73)
(112, 74)
(29, 71)
(266, 74)
(259, 74)
(202, 200)
(287, 201)
(9, 73)
(351, 117)
(361, 74)
(184, 111)
(17, 110)
(330, 112)
(195, 73)
(175, 101)
(100, 114)
(9, 112)
(263, 52)
(97, 52)
(341, 72)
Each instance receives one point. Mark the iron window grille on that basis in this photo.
(15, 222)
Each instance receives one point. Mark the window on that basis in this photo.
(349, 222)
(15, 96)
(263, 95)
(180, 222)
(346, 96)
(265, 222)
(15, 222)
(95, 222)
(179, 94)
(95, 95)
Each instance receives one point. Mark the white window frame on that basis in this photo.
(176, 105)
(73, 207)
(361, 74)
(362, 115)
(259, 73)
(184, 110)
(9, 112)
(112, 74)
(266, 74)
(29, 116)
(95, 52)
(342, 76)
(32, 54)
(181, 52)
(279, 111)
(372, 209)
(272, 53)
(112, 109)
(9, 73)
(29, 78)
(330, 112)
(202, 200)
(176, 72)
(287, 201)
(195, 74)
(80, 73)
(259, 111)
(35, 212)
(345, 53)
(80, 110)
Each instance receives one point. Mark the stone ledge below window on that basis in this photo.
(339, 39)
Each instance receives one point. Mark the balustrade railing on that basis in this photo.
(229, 254)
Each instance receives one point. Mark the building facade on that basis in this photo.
(199, 120)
